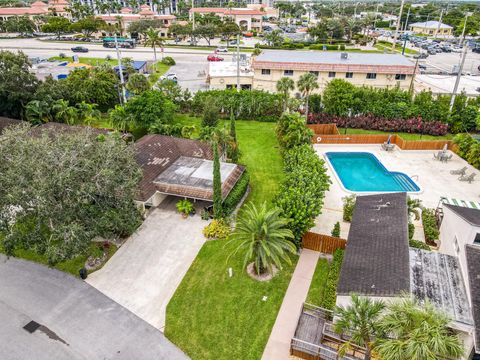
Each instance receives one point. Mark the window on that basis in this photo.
(349, 75)
(457, 247)
(400, 77)
(331, 74)
(265, 71)
(314, 73)
(371, 76)
(477, 239)
(288, 72)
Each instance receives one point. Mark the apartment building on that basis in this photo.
(247, 19)
(368, 69)
(431, 28)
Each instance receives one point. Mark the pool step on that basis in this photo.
(402, 180)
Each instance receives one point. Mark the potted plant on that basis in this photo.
(185, 207)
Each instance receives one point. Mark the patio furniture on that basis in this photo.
(387, 145)
(445, 157)
(468, 178)
(459, 171)
(438, 155)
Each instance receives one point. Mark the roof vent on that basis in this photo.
(344, 56)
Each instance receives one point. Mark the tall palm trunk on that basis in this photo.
(306, 106)
(155, 53)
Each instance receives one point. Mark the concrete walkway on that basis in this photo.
(278, 345)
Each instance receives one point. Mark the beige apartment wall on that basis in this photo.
(269, 82)
(221, 82)
(422, 30)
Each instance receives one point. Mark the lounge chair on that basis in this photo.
(446, 157)
(438, 155)
(459, 171)
(468, 178)
(388, 147)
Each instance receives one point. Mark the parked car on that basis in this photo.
(476, 50)
(233, 42)
(221, 49)
(422, 66)
(431, 50)
(421, 56)
(169, 76)
(214, 58)
(79, 49)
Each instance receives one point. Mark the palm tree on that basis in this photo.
(417, 332)
(153, 39)
(284, 86)
(87, 112)
(413, 206)
(306, 84)
(361, 321)
(264, 238)
(64, 113)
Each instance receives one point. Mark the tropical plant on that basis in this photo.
(154, 40)
(348, 207)
(38, 112)
(291, 131)
(217, 185)
(232, 149)
(210, 113)
(413, 207)
(360, 320)
(119, 118)
(336, 230)
(416, 332)
(137, 84)
(264, 238)
(306, 84)
(184, 207)
(284, 86)
(217, 229)
(64, 113)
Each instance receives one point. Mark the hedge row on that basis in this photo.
(327, 47)
(430, 228)
(419, 245)
(236, 194)
(468, 148)
(330, 293)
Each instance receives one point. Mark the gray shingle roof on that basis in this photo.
(470, 215)
(376, 260)
(473, 267)
(430, 25)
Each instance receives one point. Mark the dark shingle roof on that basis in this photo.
(473, 267)
(468, 214)
(376, 260)
(6, 122)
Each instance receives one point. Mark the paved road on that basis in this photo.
(77, 321)
(145, 272)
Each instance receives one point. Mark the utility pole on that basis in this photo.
(462, 38)
(398, 25)
(439, 23)
(120, 71)
(376, 14)
(459, 75)
(411, 88)
(406, 21)
(238, 62)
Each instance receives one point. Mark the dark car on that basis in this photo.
(421, 56)
(79, 49)
(422, 66)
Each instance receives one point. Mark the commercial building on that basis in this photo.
(38, 8)
(377, 70)
(431, 28)
(247, 19)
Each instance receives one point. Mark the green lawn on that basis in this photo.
(87, 60)
(398, 49)
(212, 316)
(319, 280)
(159, 70)
(405, 136)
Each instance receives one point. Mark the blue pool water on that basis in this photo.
(362, 171)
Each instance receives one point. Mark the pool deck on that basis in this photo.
(431, 175)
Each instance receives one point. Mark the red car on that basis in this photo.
(214, 58)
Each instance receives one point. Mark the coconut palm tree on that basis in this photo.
(417, 332)
(414, 206)
(306, 84)
(361, 321)
(284, 86)
(264, 238)
(154, 40)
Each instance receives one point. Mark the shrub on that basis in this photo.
(418, 245)
(411, 230)
(168, 60)
(185, 207)
(342, 47)
(315, 103)
(324, 46)
(62, 55)
(348, 207)
(210, 113)
(291, 131)
(430, 226)
(217, 229)
(236, 194)
(108, 58)
(330, 293)
(468, 148)
(336, 230)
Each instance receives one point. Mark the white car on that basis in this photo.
(222, 49)
(169, 76)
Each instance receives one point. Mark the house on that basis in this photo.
(179, 167)
(140, 67)
(245, 18)
(38, 8)
(431, 28)
(377, 70)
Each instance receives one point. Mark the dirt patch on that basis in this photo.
(263, 277)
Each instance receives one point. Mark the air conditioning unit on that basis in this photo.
(344, 56)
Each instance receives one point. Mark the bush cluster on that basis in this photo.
(419, 245)
(301, 193)
(327, 47)
(430, 228)
(236, 194)
(371, 122)
(291, 131)
(330, 293)
(168, 60)
(246, 104)
(336, 230)
(217, 229)
(468, 148)
(411, 230)
(348, 207)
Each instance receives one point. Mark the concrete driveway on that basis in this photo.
(145, 272)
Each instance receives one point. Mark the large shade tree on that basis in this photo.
(264, 238)
(60, 190)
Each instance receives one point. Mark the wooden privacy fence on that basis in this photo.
(323, 243)
(328, 129)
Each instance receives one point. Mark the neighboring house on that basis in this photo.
(53, 7)
(431, 28)
(127, 17)
(376, 70)
(179, 167)
(247, 19)
(140, 67)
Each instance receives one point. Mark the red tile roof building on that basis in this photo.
(246, 18)
(58, 7)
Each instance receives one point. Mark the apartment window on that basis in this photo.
(314, 73)
(349, 75)
(331, 74)
(477, 239)
(288, 72)
(400, 77)
(457, 247)
(371, 76)
(265, 71)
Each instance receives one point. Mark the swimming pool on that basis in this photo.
(363, 172)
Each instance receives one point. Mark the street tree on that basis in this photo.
(88, 25)
(154, 40)
(207, 32)
(57, 25)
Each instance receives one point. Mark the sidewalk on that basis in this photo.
(278, 345)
